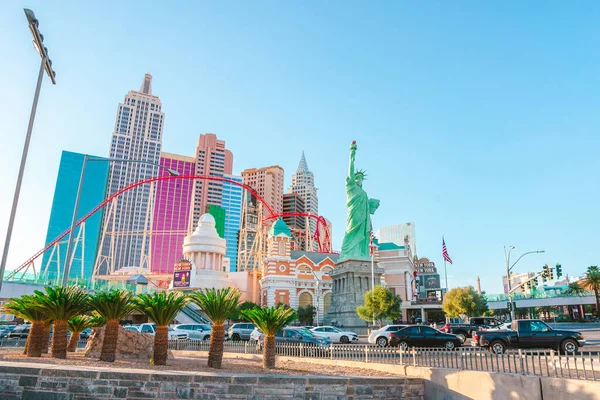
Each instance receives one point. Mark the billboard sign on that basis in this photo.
(431, 281)
(425, 268)
(181, 274)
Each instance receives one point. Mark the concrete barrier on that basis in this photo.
(570, 389)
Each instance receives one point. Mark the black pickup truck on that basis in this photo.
(529, 334)
(475, 324)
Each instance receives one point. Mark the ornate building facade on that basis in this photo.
(295, 278)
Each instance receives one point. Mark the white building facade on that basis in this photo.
(303, 183)
(137, 136)
(397, 234)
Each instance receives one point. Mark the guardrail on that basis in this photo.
(550, 363)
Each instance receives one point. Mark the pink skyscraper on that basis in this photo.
(171, 212)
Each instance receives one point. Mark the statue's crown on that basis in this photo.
(361, 173)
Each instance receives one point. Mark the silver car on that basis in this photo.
(241, 331)
(195, 331)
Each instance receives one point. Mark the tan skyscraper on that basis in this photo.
(212, 159)
(268, 182)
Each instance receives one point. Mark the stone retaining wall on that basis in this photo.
(52, 383)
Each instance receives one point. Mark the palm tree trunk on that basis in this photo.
(59, 339)
(46, 340)
(26, 344)
(215, 349)
(36, 337)
(72, 346)
(161, 345)
(109, 344)
(596, 292)
(269, 352)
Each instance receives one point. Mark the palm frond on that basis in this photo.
(62, 303)
(217, 303)
(112, 305)
(26, 308)
(270, 320)
(161, 308)
(79, 323)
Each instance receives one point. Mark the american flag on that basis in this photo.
(445, 252)
(371, 246)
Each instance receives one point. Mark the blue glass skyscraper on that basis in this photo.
(92, 193)
(232, 203)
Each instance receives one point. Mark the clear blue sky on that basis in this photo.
(477, 120)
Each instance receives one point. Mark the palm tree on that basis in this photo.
(270, 320)
(61, 304)
(161, 308)
(575, 289)
(46, 341)
(217, 304)
(77, 325)
(592, 282)
(26, 308)
(111, 307)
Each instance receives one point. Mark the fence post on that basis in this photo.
(522, 366)
(553, 362)
(245, 347)
(414, 356)
(301, 350)
(366, 353)
(461, 367)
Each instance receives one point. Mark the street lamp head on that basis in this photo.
(540, 251)
(172, 172)
(31, 17)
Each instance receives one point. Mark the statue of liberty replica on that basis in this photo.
(354, 273)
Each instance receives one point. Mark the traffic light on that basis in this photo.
(528, 285)
(558, 270)
(544, 278)
(550, 274)
(534, 283)
(546, 270)
(509, 306)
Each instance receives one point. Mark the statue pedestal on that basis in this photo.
(351, 280)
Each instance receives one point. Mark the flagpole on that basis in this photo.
(446, 275)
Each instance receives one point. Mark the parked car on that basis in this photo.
(20, 332)
(335, 334)
(504, 327)
(241, 331)
(132, 328)
(86, 333)
(382, 336)
(173, 335)
(424, 336)
(529, 334)
(196, 331)
(296, 335)
(475, 324)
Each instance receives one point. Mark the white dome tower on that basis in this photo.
(205, 249)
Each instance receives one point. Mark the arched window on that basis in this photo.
(281, 248)
(326, 302)
(305, 299)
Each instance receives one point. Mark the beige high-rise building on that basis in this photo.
(268, 183)
(212, 159)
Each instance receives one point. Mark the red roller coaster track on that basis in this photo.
(272, 215)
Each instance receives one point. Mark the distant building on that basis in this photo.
(171, 212)
(212, 160)
(293, 203)
(232, 203)
(218, 214)
(515, 279)
(137, 136)
(63, 204)
(268, 183)
(303, 183)
(287, 276)
(397, 234)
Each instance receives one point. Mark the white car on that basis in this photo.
(504, 327)
(382, 336)
(173, 335)
(255, 335)
(335, 334)
(195, 331)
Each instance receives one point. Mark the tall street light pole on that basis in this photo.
(46, 65)
(509, 268)
(86, 159)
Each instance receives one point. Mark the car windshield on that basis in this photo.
(336, 329)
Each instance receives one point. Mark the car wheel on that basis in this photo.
(569, 346)
(449, 345)
(381, 341)
(462, 337)
(497, 347)
(344, 339)
(206, 338)
(403, 346)
(235, 336)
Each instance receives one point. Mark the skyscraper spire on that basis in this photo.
(147, 84)
(302, 166)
